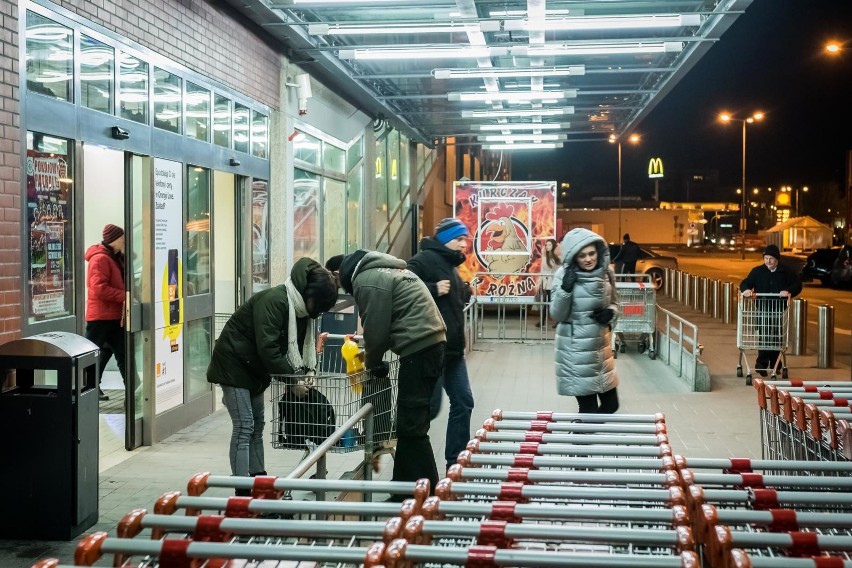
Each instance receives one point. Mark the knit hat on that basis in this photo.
(449, 229)
(112, 233)
(347, 269)
(772, 250)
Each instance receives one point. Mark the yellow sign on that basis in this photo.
(782, 199)
(655, 168)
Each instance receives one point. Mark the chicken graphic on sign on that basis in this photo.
(501, 233)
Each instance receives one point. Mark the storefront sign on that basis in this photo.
(655, 168)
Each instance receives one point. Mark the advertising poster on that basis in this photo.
(168, 283)
(509, 223)
(48, 202)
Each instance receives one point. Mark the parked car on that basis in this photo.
(841, 272)
(818, 265)
(649, 263)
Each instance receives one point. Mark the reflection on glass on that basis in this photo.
(259, 134)
(380, 183)
(96, 72)
(393, 171)
(221, 121)
(334, 217)
(199, 345)
(259, 235)
(306, 149)
(49, 58)
(333, 159)
(353, 209)
(49, 230)
(133, 88)
(404, 167)
(167, 88)
(241, 128)
(197, 231)
(354, 154)
(306, 214)
(197, 112)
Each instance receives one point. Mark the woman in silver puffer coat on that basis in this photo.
(583, 301)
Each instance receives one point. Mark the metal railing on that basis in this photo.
(674, 330)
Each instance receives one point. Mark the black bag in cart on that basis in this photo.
(310, 418)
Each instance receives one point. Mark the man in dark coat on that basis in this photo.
(771, 277)
(268, 335)
(399, 314)
(627, 256)
(436, 264)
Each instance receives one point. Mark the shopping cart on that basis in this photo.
(304, 420)
(763, 325)
(637, 311)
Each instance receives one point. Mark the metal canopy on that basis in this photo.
(533, 71)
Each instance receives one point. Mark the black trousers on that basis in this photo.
(608, 402)
(108, 335)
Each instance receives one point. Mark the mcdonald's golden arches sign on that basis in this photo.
(655, 168)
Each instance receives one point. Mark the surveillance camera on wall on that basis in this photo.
(303, 91)
(119, 133)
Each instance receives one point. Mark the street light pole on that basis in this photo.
(619, 191)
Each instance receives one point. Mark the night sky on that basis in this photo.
(770, 59)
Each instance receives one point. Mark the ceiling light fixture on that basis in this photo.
(627, 22)
(361, 29)
(532, 146)
(514, 96)
(599, 49)
(517, 113)
(423, 52)
(492, 73)
(521, 126)
(525, 137)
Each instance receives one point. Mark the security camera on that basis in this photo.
(303, 91)
(119, 133)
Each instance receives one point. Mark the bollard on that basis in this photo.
(705, 295)
(670, 276)
(727, 303)
(716, 299)
(799, 327)
(825, 330)
(678, 282)
(687, 289)
(696, 292)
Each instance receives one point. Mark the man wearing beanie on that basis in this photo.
(105, 300)
(774, 278)
(436, 264)
(399, 314)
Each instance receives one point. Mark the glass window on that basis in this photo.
(259, 235)
(167, 96)
(49, 58)
(306, 148)
(197, 260)
(241, 128)
(306, 213)
(393, 171)
(353, 209)
(404, 172)
(333, 159)
(259, 135)
(354, 154)
(197, 112)
(133, 88)
(50, 253)
(380, 186)
(97, 61)
(334, 217)
(221, 121)
(199, 345)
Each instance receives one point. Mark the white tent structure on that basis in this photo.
(799, 233)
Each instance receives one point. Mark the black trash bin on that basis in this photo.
(49, 445)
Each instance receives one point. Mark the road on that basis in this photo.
(729, 267)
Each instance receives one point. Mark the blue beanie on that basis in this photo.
(449, 229)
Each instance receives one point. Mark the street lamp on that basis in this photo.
(727, 117)
(613, 139)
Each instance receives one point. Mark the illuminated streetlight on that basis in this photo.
(613, 139)
(727, 117)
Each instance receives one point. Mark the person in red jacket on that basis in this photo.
(105, 300)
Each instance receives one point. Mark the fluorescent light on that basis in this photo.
(514, 96)
(521, 126)
(532, 146)
(627, 22)
(518, 112)
(423, 52)
(354, 29)
(599, 49)
(493, 73)
(528, 136)
(516, 13)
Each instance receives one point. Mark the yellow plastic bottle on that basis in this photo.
(351, 353)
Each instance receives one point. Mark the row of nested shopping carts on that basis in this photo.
(531, 489)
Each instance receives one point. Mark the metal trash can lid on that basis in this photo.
(51, 344)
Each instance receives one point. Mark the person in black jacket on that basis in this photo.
(771, 277)
(268, 335)
(627, 256)
(436, 264)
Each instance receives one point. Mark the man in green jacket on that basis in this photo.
(268, 335)
(399, 314)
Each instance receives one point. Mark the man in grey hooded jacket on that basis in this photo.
(399, 314)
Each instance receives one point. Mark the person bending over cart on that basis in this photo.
(584, 303)
(398, 313)
(268, 335)
(771, 277)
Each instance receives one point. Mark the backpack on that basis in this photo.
(303, 420)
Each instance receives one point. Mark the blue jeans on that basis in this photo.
(455, 381)
(246, 411)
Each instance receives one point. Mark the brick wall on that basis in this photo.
(209, 37)
(10, 176)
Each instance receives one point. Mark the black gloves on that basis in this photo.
(603, 315)
(380, 371)
(569, 279)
